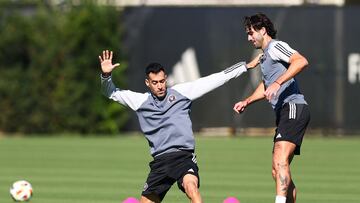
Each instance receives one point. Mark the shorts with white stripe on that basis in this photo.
(168, 168)
(291, 121)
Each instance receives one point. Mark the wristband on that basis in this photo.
(106, 75)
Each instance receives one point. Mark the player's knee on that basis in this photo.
(190, 184)
(281, 166)
(191, 188)
(280, 162)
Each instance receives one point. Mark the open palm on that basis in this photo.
(106, 61)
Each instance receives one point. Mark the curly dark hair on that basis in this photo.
(259, 21)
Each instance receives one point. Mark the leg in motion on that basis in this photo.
(282, 156)
(291, 193)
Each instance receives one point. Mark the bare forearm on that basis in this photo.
(258, 94)
(297, 64)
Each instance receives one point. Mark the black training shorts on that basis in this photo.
(291, 121)
(168, 168)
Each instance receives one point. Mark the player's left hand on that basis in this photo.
(272, 90)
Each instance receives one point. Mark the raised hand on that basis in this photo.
(106, 61)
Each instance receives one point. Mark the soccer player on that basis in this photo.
(279, 66)
(163, 114)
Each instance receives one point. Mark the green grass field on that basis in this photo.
(108, 169)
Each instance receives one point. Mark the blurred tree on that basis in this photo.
(50, 70)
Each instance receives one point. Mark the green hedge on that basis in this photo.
(49, 81)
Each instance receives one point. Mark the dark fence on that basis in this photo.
(327, 36)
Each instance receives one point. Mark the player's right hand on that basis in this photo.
(106, 61)
(240, 106)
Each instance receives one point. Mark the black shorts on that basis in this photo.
(168, 168)
(291, 121)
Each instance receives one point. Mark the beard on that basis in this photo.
(257, 45)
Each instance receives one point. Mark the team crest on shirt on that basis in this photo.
(145, 187)
(171, 98)
(262, 58)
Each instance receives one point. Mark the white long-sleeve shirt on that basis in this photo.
(166, 123)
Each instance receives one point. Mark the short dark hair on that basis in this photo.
(258, 21)
(154, 68)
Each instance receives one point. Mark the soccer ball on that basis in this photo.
(21, 190)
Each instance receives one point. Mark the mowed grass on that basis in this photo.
(109, 169)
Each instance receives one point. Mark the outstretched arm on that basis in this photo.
(124, 97)
(258, 94)
(199, 87)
